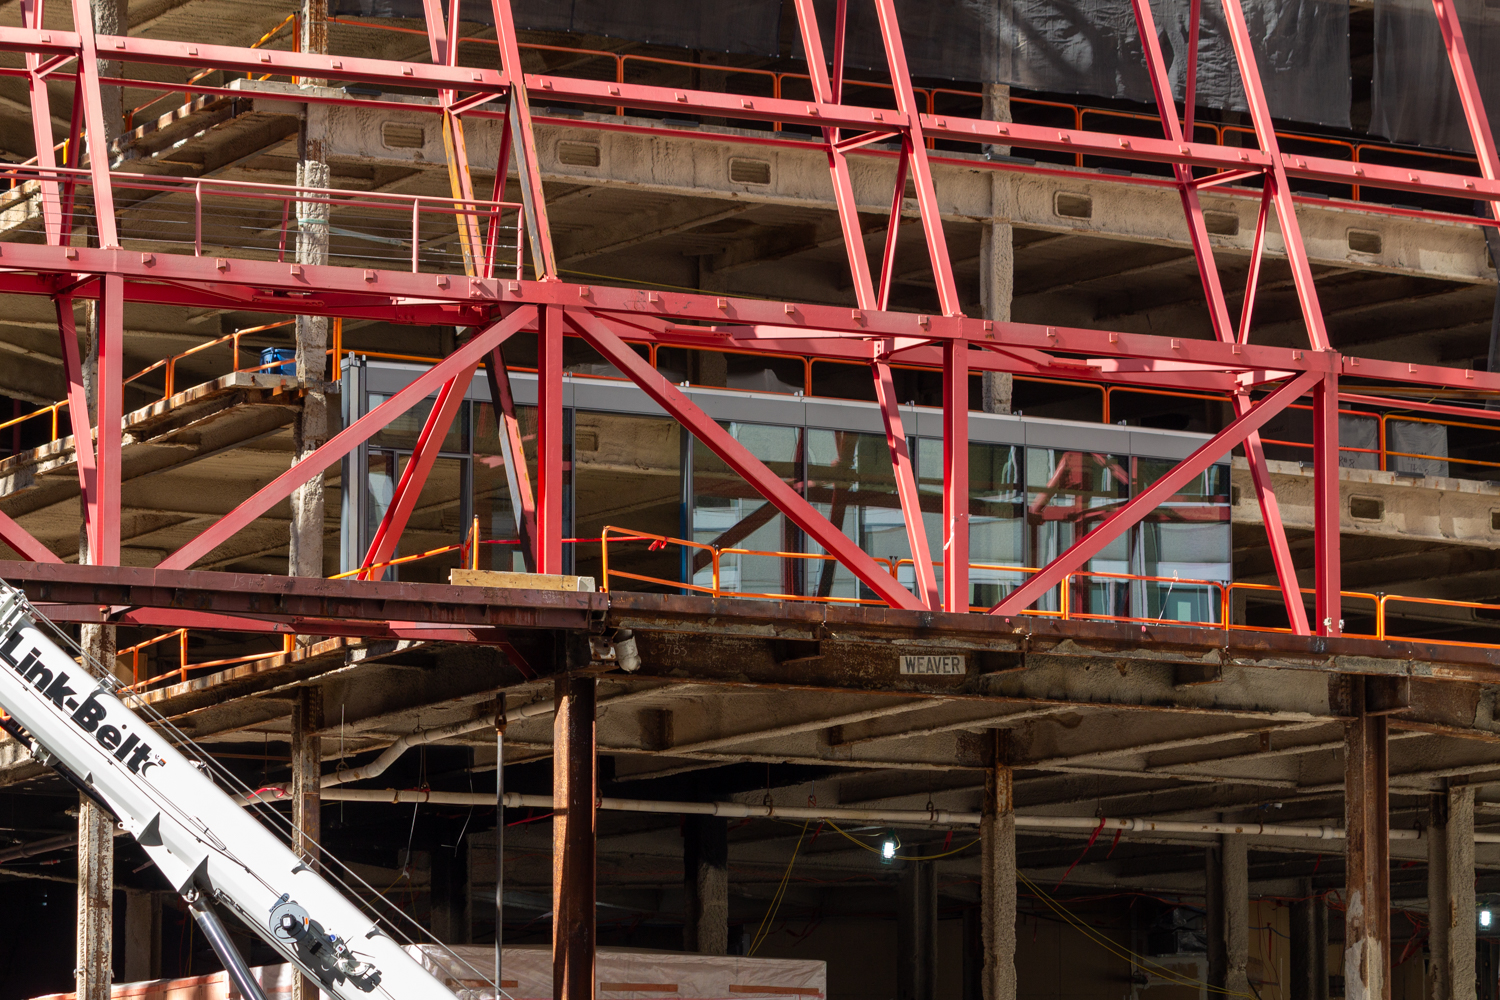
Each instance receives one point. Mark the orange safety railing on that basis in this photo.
(716, 554)
(180, 674)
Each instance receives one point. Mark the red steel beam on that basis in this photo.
(347, 440)
(93, 119)
(550, 529)
(596, 330)
(1327, 575)
(1153, 496)
(111, 417)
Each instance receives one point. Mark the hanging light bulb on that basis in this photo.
(888, 852)
(1484, 918)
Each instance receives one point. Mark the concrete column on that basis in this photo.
(1450, 898)
(142, 958)
(1236, 902)
(310, 429)
(1367, 919)
(997, 875)
(997, 260)
(575, 781)
(307, 771)
(96, 887)
(705, 872)
(916, 932)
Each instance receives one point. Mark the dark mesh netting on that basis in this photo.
(1066, 46)
(1092, 47)
(750, 27)
(1413, 97)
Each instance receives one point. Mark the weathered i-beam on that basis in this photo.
(574, 790)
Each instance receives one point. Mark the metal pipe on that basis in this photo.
(218, 937)
(896, 817)
(393, 752)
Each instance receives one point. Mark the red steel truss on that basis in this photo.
(86, 258)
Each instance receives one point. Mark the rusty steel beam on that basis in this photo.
(1367, 818)
(575, 780)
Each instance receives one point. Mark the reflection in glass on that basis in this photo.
(1067, 494)
(627, 472)
(851, 481)
(1185, 538)
(729, 513)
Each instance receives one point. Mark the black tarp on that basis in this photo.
(1413, 96)
(1065, 46)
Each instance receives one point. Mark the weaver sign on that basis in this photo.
(932, 665)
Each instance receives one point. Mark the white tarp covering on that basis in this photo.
(622, 974)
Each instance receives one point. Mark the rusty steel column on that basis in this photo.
(574, 793)
(997, 876)
(96, 889)
(997, 253)
(307, 774)
(1367, 920)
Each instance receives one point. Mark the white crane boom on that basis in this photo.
(208, 847)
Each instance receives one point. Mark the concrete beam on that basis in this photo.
(696, 165)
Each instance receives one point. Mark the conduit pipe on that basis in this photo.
(893, 817)
(393, 752)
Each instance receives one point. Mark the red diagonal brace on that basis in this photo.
(602, 338)
(916, 151)
(341, 444)
(517, 477)
(78, 416)
(1218, 306)
(838, 163)
(418, 467)
(906, 484)
(24, 542)
(523, 143)
(1153, 496)
(93, 119)
(1286, 211)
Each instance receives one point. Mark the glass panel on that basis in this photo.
(729, 513)
(402, 433)
(1068, 493)
(727, 370)
(850, 480)
(997, 534)
(438, 519)
(501, 548)
(1186, 538)
(628, 474)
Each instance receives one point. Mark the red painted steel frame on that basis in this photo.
(867, 333)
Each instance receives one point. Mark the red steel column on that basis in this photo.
(906, 485)
(955, 476)
(1367, 919)
(111, 410)
(1327, 572)
(549, 443)
(574, 788)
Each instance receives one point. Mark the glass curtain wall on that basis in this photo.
(644, 473)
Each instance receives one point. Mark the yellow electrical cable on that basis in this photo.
(766, 921)
(1139, 961)
(901, 857)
